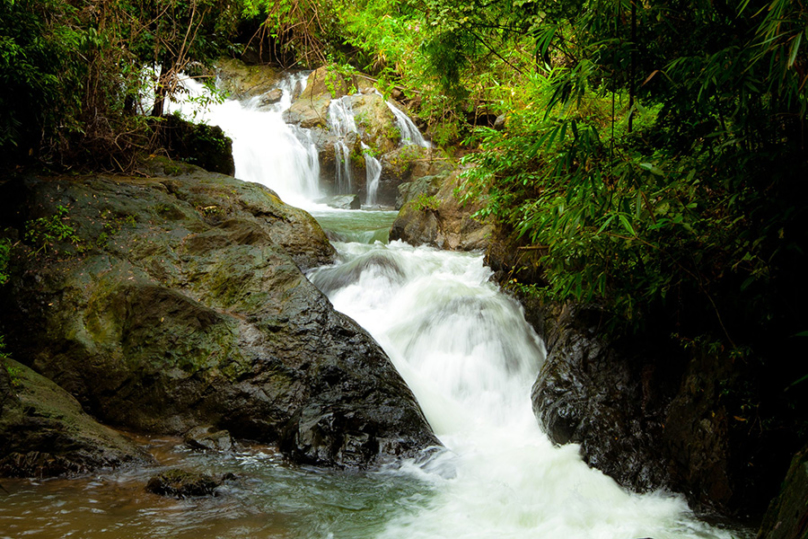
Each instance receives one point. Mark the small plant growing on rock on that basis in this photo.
(426, 203)
(5, 256)
(46, 231)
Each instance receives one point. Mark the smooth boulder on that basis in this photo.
(182, 303)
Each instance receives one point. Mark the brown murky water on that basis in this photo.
(269, 499)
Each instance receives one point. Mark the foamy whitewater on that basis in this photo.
(470, 358)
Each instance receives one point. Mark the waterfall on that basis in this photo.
(341, 121)
(266, 149)
(373, 171)
(409, 131)
(470, 358)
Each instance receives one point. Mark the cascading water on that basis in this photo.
(409, 132)
(470, 358)
(265, 148)
(341, 121)
(373, 171)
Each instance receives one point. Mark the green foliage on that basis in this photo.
(39, 71)
(75, 73)
(670, 190)
(425, 203)
(43, 233)
(5, 257)
(297, 32)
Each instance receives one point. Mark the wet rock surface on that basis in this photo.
(650, 416)
(243, 81)
(45, 433)
(182, 303)
(588, 393)
(342, 202)
(208, 438)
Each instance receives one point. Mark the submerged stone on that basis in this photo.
(182, 483)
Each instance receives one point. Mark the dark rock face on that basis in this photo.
(183, 304)
(182, 484)
(787, 517)
(650, 416)
(588, 393)
(44, 432)
(432, 215)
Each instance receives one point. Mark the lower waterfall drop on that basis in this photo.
(467, 353)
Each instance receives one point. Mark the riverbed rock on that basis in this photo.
(271, 97)
(310, 109)
(328, 81)
(376, 123)
(651, 416)
(406, 164)
(207, 437)
(44, 432)
(342, 202)
(588, 393)
(180, 301)
(178, 483)
(434, 216)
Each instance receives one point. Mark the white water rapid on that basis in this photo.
(470, 358)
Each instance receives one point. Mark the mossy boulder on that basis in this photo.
(376, 123)
(243, 81)
(208, 438)
(182, 303)
(310, 108)
(44, 432)
(433, 215)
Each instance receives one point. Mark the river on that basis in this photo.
(470, 358)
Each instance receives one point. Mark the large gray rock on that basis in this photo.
(44, 432)
(182, 303)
